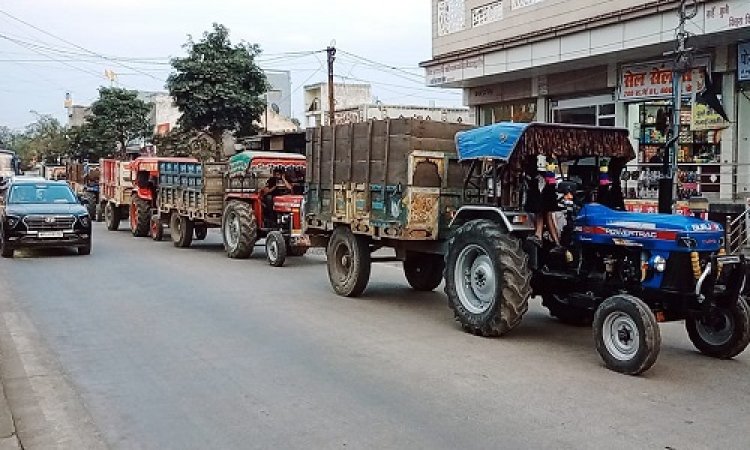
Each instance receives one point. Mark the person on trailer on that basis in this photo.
(277, 184)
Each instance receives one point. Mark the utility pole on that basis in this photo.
(331, 51)
(682, 64)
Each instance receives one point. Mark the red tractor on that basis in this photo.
(144, 172)
(263, 199)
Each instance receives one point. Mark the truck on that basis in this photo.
(10, 166)
(193, 197)
(115, 187)
(463, 213)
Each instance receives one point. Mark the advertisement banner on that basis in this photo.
(743, 61)
(702, 117)
(654, 80)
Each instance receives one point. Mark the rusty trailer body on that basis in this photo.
(115, 190)
(391, 183)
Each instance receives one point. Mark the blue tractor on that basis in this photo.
(621, 272)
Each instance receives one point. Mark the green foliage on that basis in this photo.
(186, 143)
(117, 117)
(218, 87)
(43, 140)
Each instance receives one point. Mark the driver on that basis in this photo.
(277, 184)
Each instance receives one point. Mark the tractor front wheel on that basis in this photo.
(239, 230)
(348, 261)
(181, 230)
(487, 278)
(724, 333)
(140, 217)
(112, 216)
(626, 334)
(276, 249)
(157, 229)
(424, 271)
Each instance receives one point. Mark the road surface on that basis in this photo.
(142, 345)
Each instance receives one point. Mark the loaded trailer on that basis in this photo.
(115, 189)
(193, 197)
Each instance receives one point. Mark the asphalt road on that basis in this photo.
(142, 345)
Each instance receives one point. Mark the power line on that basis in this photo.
(77, 46)
(49, 57)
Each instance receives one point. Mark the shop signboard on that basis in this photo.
(726, 15)
(654, 80)
(703, 117)
(517, 4)
(743, 61)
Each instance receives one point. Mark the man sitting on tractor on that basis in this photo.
(277, 184)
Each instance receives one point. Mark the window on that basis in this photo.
(491, 12)
(451, 16)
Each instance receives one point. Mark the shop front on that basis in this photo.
(646, 92)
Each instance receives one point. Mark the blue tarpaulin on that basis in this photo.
(492, 141)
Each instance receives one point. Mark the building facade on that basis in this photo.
(345, 96)
(603, 63)
(280, 92)
(367, 111)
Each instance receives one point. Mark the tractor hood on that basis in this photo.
(600, 224)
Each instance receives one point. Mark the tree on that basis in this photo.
(43, 140)
(218, 87)
(117, 117)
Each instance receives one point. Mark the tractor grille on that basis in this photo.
(49, 223)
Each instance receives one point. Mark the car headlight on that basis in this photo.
(12, 221)
(85, 220)
(658, 263)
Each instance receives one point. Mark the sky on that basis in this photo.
(66, 46)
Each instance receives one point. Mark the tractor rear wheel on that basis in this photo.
(348, 261)
(112, 216)
(276, 249)
(239, 230)
(565, 313)
(201, 231)
(424, 271)
(723, 334)
(157, 229)
(181, 230)
(487, 278)
(626, 334)
(140, 217)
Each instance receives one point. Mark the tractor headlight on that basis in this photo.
(658, 263)
(85, 220)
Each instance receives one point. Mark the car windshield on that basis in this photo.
(41, 194)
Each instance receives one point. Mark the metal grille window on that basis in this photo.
(451, 16)
(491, 12)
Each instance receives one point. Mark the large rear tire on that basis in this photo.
(565, 313)
(626, 334)
(239, 230)
(487, 278)
(724, 334)
(424, 271)
(181, 230)
(140, 217)
(349, 263)
(276, 249)
(112, 216)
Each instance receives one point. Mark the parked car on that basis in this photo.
(42, 213)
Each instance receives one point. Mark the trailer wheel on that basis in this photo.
(626, 334)
(112, 216)
(181, 230)
(723, 334)
(487, 278)
(239, 230)
(348, 260)
(565, 313)
(140, 217)
(157, 229)
(201, 231)
(276, 249)
(424, 271)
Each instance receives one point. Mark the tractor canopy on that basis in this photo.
(514, 143)
(240, 163)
